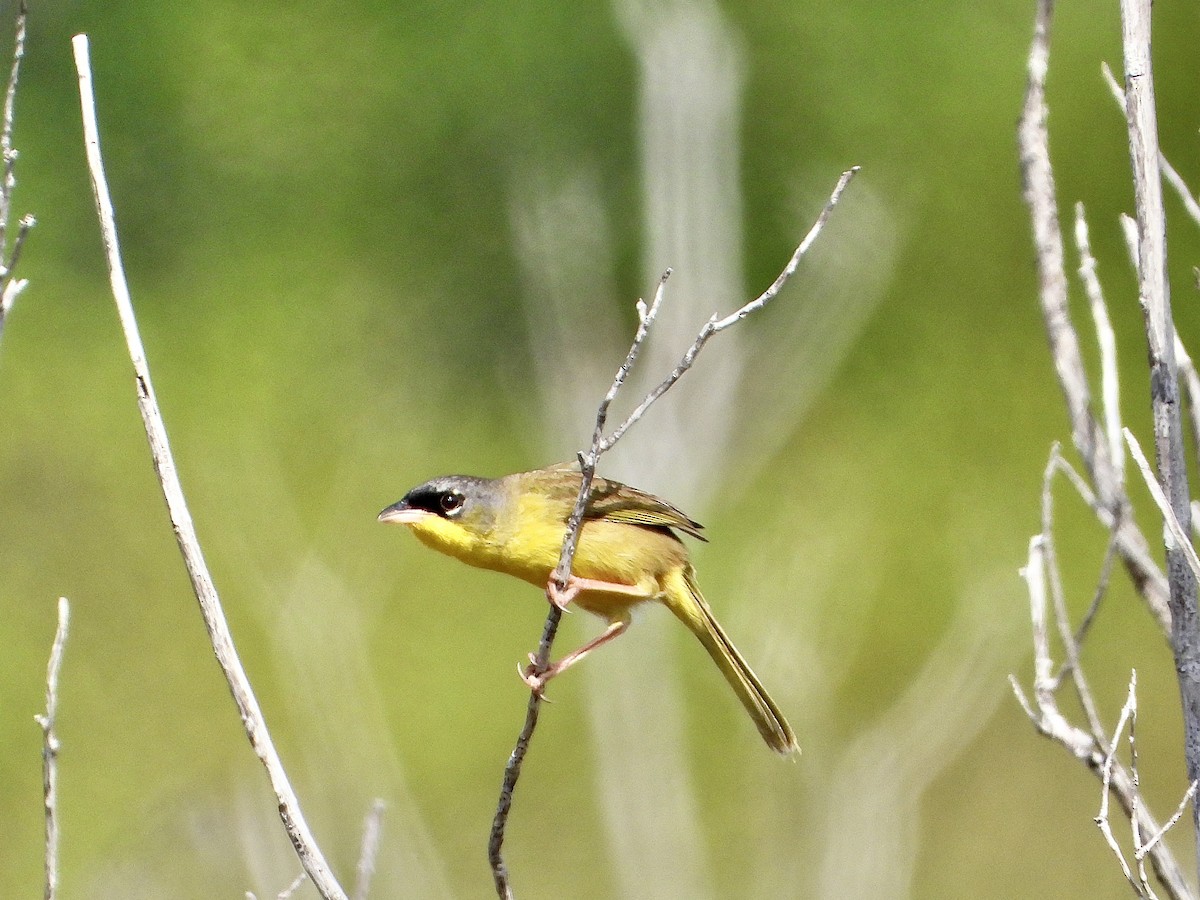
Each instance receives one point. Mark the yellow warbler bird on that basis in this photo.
(628, 554)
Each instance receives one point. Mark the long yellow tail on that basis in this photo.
(684, 599)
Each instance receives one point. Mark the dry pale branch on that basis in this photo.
(10, 287)
(1191, 388)
(512, 769)
(50, 747)
(291, 889)
(1088, 436)
(1155, 298)
(287, 893)
(1110, 392)
(1171, 599)
(372, 830)
(1176, 536)
(1067, 636)
(1141, 848)
(1174, 179)
(1186, 367)
(587, 461)
(1128, 711)
(1092, 748)
(1178, 814)
(311, 858)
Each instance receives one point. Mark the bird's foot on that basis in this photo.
(536, 676)
(562, 597)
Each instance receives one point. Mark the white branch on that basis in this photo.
(1176, 536)
(219, 634)
(1102, 819)
(50, 747)
(372, 830)
(1170, 173)
(1110, 392)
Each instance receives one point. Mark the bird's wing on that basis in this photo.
(617, 502)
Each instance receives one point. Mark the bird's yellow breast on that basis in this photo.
(525, 541)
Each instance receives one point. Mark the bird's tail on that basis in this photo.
(684, 599)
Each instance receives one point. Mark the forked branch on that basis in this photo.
(601, 444)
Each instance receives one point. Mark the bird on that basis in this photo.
(629, 553)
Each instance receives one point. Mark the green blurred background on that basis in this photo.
(370, 243)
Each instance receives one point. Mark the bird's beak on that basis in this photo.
(401, 513)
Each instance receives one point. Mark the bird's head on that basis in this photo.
(453, 514)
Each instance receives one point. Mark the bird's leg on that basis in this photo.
(537, 679)
(561, 597)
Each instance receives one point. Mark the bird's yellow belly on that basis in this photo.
(605, 553)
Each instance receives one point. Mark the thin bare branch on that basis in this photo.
(10, 286)
(291, 889)
(1094, 748)
(587, 463)
(8, 296)
(1177, 536)
(716, 325)
(1110, 392)
(1088, 436)
(1041, 197)
(1062, 618)
(9, 155)
(50, 747)
(309, 853)
(1190, 793)
(1191, 390)
(1154, 295)
(1134, 819)
(365, 870)
(1106, 778)
(588, 459)
(1085, 624)
(1093, 752)
(1174, 179)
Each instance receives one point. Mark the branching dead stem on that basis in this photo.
(602, 443)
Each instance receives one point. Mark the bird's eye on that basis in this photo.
(450, 502)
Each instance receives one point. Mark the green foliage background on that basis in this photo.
(314, 204)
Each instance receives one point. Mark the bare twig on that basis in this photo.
(291, 889)
(1191, 388)
(50, 747)
(9, 155)
(1040, 195)
(716, 325)
(1154, 295)
(1085, 624)
(287, 893)
(1174, 179)
(1090, 749)
(512, 769)
(1177, 537)
(1058, 596)
(311, 858)
(1134, 821)
(1110, 392)
(587, 461)
(1088, 436)
(10, 287)
(365, 870)
(1127, 711)
(1145, 849)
